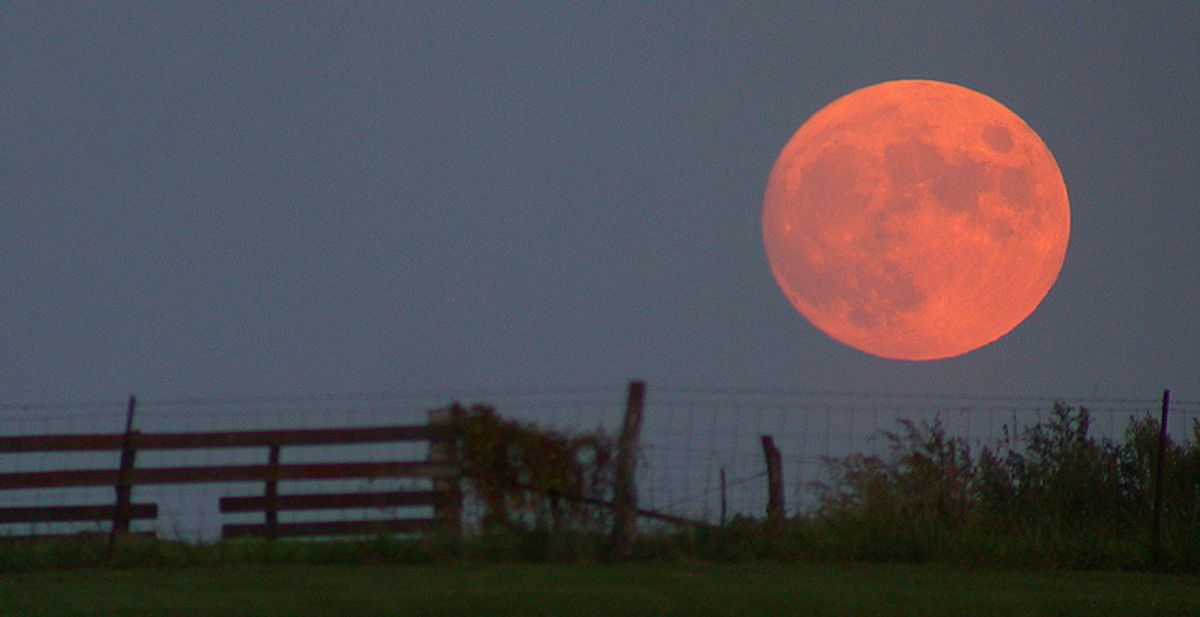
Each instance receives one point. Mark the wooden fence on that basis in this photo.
(439, 469)
(444, 496)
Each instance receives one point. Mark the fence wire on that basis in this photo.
(691, 438)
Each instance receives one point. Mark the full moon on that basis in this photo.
(915, 220)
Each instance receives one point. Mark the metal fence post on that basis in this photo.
(1159, 471)
(724, 502)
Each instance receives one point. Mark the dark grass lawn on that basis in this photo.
(480, 589)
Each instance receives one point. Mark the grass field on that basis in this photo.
(478, 589)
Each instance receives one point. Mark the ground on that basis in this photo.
(594, 589)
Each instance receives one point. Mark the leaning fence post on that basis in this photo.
(1159, 470)
(774, 479)
(123, 487)
(271, 494)
(625, 503)
(447, 507)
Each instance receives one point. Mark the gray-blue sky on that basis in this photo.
(212, 199)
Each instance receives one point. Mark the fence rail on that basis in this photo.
(446, 503)
(223, 439)
(284, 466)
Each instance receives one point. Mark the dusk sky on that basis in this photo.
(212, 199)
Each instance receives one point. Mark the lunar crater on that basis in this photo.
(931, 220)
(998, 138)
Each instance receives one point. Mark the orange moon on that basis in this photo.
(915, 220)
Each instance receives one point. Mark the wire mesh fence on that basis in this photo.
(694, 434)
(701, 453)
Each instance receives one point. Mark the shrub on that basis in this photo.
(1052, 495)
(524, 475)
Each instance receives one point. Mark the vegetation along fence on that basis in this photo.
(399, 461)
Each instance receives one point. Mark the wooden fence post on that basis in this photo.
(447, 508)
(123, 487)
(271, 494)
(1159, 471)
(774, 479)
(624, 487)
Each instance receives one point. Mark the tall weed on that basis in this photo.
(1050, 495)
